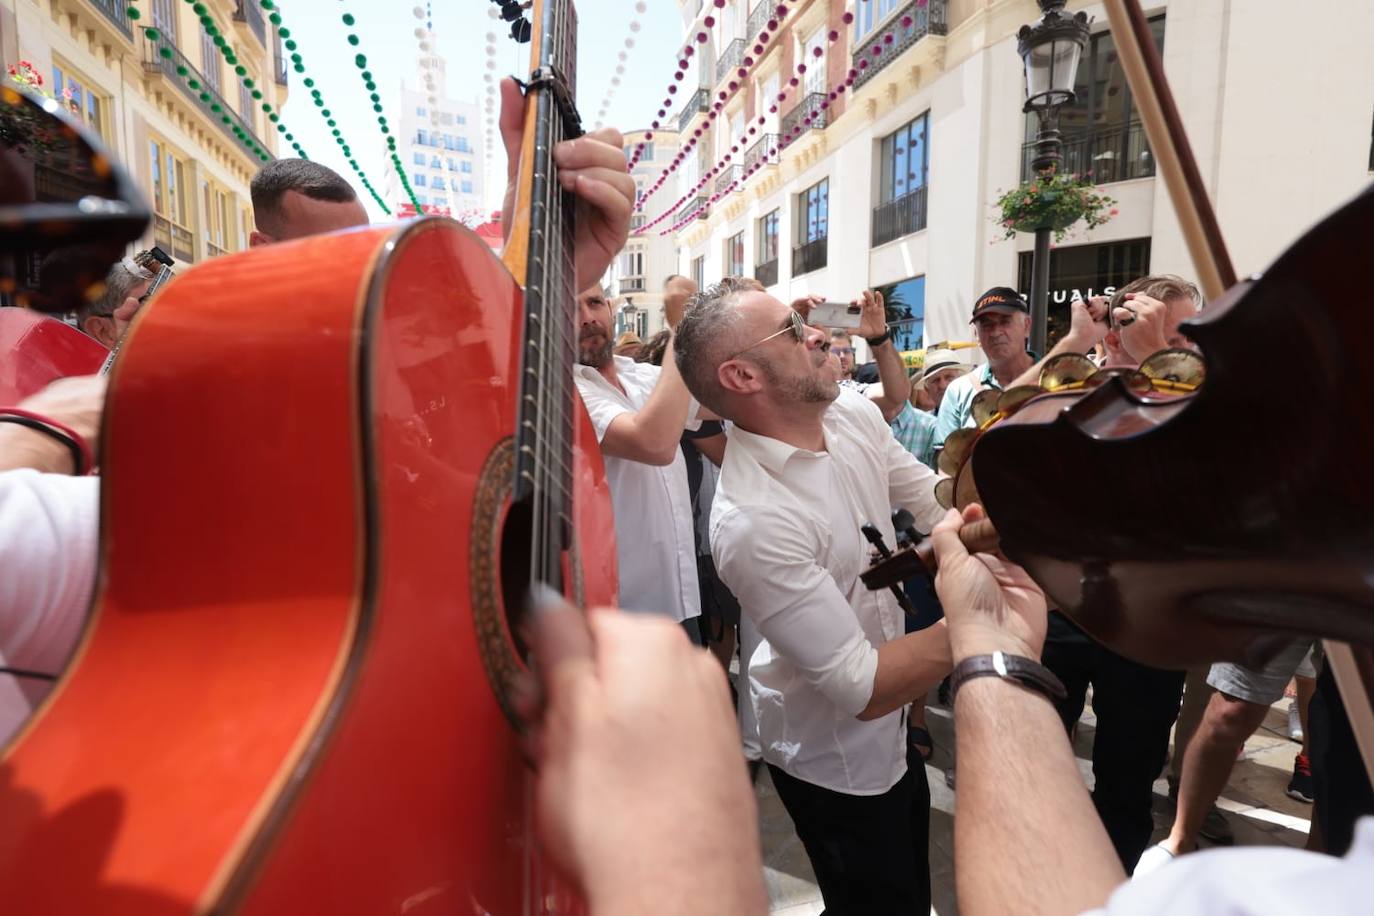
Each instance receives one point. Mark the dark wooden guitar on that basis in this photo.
(326, 492)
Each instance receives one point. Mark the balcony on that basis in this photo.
(922, 20)
(698, 204)
(728, 177)
(162, 56)
(631, 285)
(765, 151)
(248, 13)
(758, 17)
(806, 115)
(730, 59)
(279, 59)
(114, 11)
(899, 217)
(809, 257)
(767, 272)
(637, 221)
(1108, 154)
(173, 238)
(696, 104)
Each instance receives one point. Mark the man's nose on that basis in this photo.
(815, 338)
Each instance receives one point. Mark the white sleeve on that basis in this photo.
(763, 556)
(49, 527)
(601, 406)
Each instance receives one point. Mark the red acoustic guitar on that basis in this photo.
(332, 469)
(38, 350)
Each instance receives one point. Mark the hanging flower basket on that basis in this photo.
(1053, 201)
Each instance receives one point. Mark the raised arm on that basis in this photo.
(1087, 326)
(894, 384)
(651, 434)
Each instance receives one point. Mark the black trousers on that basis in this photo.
(870, 852)
(1136, 707)
(1343, 791)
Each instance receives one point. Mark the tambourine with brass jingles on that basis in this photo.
(1166, 375)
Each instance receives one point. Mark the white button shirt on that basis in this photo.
(655, 545)
(785, 537)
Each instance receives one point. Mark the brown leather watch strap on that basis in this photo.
(1016, 668)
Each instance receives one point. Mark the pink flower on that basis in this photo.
(1114, 211)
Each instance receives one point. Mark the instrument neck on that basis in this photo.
(163, 275)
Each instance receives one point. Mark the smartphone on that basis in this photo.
(835, 315)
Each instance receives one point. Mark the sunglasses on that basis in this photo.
(67, 210)
(795, 325)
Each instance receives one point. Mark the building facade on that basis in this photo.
(635, 280)
(439, 142)
(914, 156)
(181, 120)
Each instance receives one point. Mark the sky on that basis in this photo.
(386, 32)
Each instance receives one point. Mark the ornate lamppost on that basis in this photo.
(1050, 49)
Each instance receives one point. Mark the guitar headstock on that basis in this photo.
(153, 260)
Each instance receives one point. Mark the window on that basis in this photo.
(462, 145)
(632, 262)
(422, 137)
(453, 184)
(814, 56)
(770, 95)
(424, 201)
(218, 227)
(699, 271)
(209, 59)
(766, 249)
(1101, 127)
(813, 212)
(165, 18)
(419, 181)
(85, 102)
(734, 255)
(871, 14)
(461, 119)
(466, 167)
(452, 165)
(467, 187)
(435, 162)
(905, 159)
(647, 154)
(246, 107)
(906, 311)
(420, 111)
(173, 213)
(418, 158)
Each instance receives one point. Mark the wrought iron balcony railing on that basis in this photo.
(760, 14)
(696, 104)
(807, 115)
(165, 57)
(729, 60)
(697, 205)
(764, 151)
(767, 272)
(1106, 154)
(912, 22)
(809, 256)
(278, 58)
(727, 177)
(115, 11)
(248, 11)
(632, 284)
(901, 216)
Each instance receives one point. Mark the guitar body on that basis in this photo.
(294, 691)
(36, 350)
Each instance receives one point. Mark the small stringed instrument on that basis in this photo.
(152, 259)
(326, 492)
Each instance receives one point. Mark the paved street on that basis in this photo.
(1258, 809)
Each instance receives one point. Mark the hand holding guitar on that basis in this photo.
(75, 403)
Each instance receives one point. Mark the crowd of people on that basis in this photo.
(745, 460)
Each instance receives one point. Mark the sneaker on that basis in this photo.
(1294, 722)
(1300, 786)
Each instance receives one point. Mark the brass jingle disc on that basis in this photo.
(944, 492)
(956, 450)
(965, 488)
(984, 406)
(1013, 398)
(1135, 380)
(1176, 365)
(1066, 369)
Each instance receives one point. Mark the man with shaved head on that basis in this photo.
(294, 198)
(808, 464)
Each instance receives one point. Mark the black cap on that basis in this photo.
(1000, 298)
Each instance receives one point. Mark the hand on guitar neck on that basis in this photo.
(593, 168)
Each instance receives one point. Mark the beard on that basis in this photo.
(806, 389)
(590, 353)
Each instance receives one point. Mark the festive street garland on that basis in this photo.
(621, 60)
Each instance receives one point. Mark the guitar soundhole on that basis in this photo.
(498, 576)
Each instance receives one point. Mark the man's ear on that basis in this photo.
(101, 328)
(257, 239)
(739, 377)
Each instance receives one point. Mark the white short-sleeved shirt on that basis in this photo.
(49, 529)
(655, 545)
(785, 538)
(1255, 881)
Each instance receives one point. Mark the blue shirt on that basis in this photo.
(956, 408)
(915, 429)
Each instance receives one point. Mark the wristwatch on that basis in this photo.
(1016, 668)
(879, 341)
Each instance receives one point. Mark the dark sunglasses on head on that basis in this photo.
(67, 210)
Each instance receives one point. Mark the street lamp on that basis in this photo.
(1050, 50)
(629, 316)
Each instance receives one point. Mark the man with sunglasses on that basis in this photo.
(808, 464)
